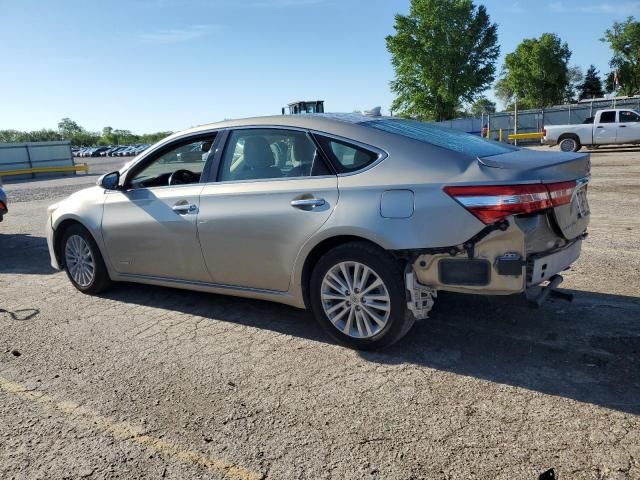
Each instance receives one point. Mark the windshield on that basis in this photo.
(441, 136)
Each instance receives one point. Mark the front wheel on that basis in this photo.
(358, 295)
(83, 262)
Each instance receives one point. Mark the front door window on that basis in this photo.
(178, 165)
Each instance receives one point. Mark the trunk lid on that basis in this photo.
(528, 166)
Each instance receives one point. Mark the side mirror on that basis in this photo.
(109, 181)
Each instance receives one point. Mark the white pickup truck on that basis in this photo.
(608, 127)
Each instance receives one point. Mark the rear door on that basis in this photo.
(628, 127)
(274, 190)
(606, 131)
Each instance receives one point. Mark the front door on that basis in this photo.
(274, 191)
(149, 227)
(629, 127)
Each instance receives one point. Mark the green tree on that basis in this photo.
(78, 136)
(68, 128)
(624, 40)
(536, 73)
(482, 106)
(592, 85)
(443, 54)
(575, 78)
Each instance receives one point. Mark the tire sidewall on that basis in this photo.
(100, 269)
(576, 144)
(389, 271)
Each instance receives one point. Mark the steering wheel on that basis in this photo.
(181, 177)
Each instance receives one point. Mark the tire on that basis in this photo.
(94, 278)
(369, 316)
(570, 144)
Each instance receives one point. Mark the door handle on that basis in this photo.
(599, 127)
(623, 126)
(184, 208)
(308, 203)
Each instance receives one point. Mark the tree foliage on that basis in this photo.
(624, 39)
(575, 78)
(537, 73)
(482, 106)
(443, 54)
(78, 136)
(592, 85)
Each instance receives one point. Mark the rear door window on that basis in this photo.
(608, 117)
(269, 153)
(629, 117)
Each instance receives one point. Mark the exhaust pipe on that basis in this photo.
(550, 289)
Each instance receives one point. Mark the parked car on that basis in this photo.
(3, 202)
(98, 150)
(607, 127)
(105, 153)
(114, 152)
(362, 220)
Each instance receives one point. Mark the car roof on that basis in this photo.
(319, 121)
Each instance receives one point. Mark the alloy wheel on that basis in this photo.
(568, 145)
(355, 299)
(79, 260)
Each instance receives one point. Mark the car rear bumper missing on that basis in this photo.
(506, 261)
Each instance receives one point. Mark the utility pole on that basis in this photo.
(515, 124)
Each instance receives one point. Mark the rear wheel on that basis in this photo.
(358, 296)
(570, 144)
(83, 262)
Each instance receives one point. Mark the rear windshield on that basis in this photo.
(441, 136)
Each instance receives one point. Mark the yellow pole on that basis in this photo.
(488, 131)
(500, 136)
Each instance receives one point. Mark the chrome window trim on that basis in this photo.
(280, 179)
(230, 130)
(382, 154)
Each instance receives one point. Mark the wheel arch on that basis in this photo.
(571, 135)
(58, 235)
(318, 251)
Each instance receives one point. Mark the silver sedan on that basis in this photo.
(362, 220)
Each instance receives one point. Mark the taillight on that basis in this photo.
(544, 132)
(561, 193)
(495, 202)
(2, 205)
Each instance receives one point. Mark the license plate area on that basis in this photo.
(582, 204)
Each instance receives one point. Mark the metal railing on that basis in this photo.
(36, 159)
(82, 167)
(533, 121)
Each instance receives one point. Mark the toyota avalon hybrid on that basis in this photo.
(362, 220)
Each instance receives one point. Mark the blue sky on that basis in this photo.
(148, 65)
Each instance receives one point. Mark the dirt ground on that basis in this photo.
(147, 382)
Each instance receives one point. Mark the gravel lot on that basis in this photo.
(147, 382)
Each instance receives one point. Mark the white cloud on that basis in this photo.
(622, 8)
(515, 7)
(557, 7)
(178, 35)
